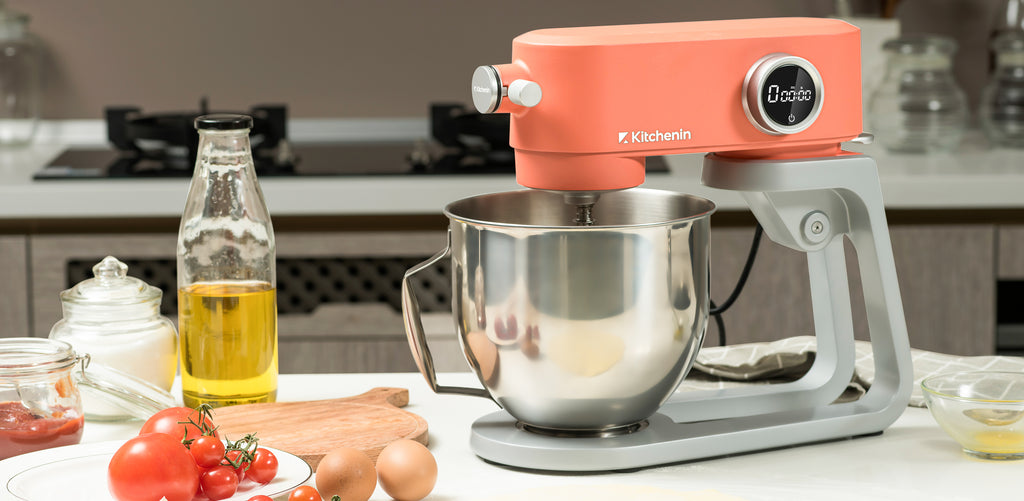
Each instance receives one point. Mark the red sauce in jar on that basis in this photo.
(22, 431)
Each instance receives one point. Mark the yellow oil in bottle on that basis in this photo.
(228, 343)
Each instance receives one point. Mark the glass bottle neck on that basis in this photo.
(224, 149)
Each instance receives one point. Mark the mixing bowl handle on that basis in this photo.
(414, 330)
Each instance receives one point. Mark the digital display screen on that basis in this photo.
(788, 95)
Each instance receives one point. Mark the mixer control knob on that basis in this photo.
(487, 89)
(524, 93)
(782, 94)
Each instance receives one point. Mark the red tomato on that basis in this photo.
(199, 478)
(263, 468)
(169, 421)
(151, 466)
(240, 471)
(260, 497)
(219, 482)
(207, 450)
(305, 493)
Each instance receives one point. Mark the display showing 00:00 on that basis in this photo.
(776, 95)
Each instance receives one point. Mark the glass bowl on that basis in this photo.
(983, 411)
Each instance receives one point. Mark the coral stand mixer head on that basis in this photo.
(769, 101)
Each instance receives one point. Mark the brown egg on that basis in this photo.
(407, 470)
(347, 473)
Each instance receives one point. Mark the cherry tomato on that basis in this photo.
(151, 466)
(260, 497)
(199, 478)
(305, 493)
(263, 468)
(207, 450)
(243, 466)
(219, 482)
(168, 421)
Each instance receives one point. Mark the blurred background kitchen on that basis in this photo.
(329, 58)
(384, 63)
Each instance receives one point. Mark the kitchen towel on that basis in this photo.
(790, 358)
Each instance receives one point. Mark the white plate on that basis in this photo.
(80, 472)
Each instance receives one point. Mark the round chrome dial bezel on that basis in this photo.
(754, 82)
(486, 89)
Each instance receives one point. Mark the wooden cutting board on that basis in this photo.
(310, 430)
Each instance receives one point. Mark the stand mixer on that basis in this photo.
(771, 100)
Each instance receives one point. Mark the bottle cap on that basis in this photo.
(223, 121)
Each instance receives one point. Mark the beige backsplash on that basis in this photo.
(324, 58)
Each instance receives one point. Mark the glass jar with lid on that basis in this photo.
(40, 405)
(19, 79)
(1001, 111)
(116, 320)
(44, 384)
(918, 107)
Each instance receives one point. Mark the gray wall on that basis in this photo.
(324, 58)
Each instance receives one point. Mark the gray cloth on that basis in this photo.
(789, 359)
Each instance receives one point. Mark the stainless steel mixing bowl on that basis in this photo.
(574, 328)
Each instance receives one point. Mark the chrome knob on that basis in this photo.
(487, 89)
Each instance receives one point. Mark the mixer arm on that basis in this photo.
(809, 205)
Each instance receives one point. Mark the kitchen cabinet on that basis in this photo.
(1010, 291)
(14, 275)
(1011, 253)
(945, 273)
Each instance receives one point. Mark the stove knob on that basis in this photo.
(524, 93)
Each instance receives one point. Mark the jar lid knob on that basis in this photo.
(109, 270)
(111, 286)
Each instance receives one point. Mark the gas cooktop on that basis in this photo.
(163, 145)
(324, 160)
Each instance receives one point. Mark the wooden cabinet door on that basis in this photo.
(946, 282)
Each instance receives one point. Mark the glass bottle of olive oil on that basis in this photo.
(227, 301)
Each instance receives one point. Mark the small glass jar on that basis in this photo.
(116, 320)
(19, 79)
(40, 405)
(918, 107)
(1002, 100)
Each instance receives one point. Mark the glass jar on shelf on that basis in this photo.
(1001, 111)
(19, 79)
(918, 107)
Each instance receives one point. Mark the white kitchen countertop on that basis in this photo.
(974, 177)
(912, 460)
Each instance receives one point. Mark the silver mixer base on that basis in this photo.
(497, 438)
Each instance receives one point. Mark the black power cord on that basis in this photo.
(716, 311)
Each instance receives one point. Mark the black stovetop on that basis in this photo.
(323, 160)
